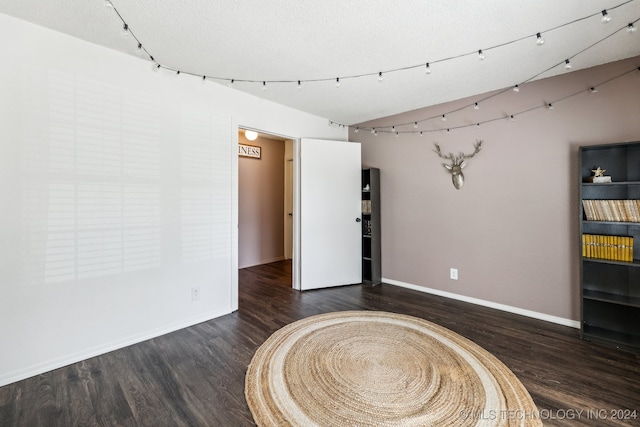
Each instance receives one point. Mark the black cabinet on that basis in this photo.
(610, 245)
(371, 250)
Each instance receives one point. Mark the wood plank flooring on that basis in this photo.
(195, 376)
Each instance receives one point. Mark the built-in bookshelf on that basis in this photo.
(371, 245)
(609, 242)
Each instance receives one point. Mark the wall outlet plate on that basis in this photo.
(453, 273)
(195, 293)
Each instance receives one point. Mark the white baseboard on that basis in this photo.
(264, 261)
(30, 371)
(490, 304)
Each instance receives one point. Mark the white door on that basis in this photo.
(330, 217)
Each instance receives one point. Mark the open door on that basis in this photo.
(330, 217)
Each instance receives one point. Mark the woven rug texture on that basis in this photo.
(372, 368)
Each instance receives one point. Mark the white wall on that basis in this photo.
(118, 194)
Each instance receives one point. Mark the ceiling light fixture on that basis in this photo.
(251, 135)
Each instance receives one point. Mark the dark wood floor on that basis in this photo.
(195, 377)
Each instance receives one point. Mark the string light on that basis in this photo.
(397, 134)
(357, 130)
(550, 106)
(230, 83)
(125, 30)
(631, 28)
(476, 106)
(516, 88)
(415, 125)
(373, 130)
(264, 86)
(156, 67)
(337, 81)
(421, 133)
(177, 73)
(299, 85)
(592, 89)
(605, 18)
(139, 49)
(444, 118)
(512, 118)
(567, 64)
(204, 79)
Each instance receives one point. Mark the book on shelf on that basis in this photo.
(366, 207)
(614, 248)
(611, 210)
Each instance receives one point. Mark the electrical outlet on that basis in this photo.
(195, 293)
(453, 273)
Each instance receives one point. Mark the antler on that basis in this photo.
(477, 146)
(439, 153)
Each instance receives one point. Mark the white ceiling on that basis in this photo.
(306, 40)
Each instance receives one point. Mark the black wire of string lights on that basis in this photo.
(476, 104)
(605, 18)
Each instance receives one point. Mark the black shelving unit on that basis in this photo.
(610, 289)
(371, 249)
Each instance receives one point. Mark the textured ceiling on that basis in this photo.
(307, 40)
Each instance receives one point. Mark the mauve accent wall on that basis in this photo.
(512, 230)
(261, 204)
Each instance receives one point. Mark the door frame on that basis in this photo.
(295, 262)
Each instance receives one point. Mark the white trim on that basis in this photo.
(508, 308)
(30, 371)
(264, 261)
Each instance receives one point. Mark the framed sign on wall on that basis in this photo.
(245, 150)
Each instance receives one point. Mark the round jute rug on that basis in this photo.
(371, 368)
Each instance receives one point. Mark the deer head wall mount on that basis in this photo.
(458, 162)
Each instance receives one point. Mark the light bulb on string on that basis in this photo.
(476, 106)
(448, 131)
(373, 130)
(357, 130)
(593, 89)
(631, 28)
(550, 106)
(125, 30)
(397, 134)
(230, 83)
(139, 49)
(380, 76)
(444, 118)
(415, 125)
(204, 79)
(481, 55)
(427, 69)
(393, 128)
(337, 81)
(567, 64)
(539, 39)
(299, 85)
(264, 86)
(512, 118)
(605, 17)
(375, 133)
(155, 67)
(516, 88)
(420, 133)
(107, 3)
(177, 73)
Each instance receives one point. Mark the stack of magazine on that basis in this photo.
(614, 248)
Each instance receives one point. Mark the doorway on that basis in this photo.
(265, 200)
